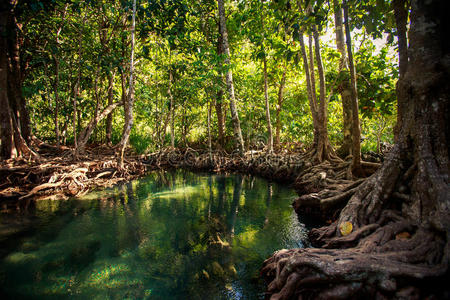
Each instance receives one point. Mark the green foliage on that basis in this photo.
(90, 41)
(140, 143)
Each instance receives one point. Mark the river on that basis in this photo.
(170, 235)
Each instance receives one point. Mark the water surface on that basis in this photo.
(171, 235)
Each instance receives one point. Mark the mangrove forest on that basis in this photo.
(229, 149)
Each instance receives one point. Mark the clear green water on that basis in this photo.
(177, 235)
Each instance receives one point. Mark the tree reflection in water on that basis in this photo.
(171, 235)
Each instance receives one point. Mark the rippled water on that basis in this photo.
(171, 235)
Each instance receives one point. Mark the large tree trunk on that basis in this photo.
(12, 142)
(229, 78)
(401, 19)
(399, 245)
(8, 148)
(15, 80)
(356, 129)
(344, 87)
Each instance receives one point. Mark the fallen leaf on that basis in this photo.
(345, 228)
(403, 235)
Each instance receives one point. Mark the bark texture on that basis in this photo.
(401, 19)
(344, 86)
(109, 118)
(399, 245)
(309, 85)
(229, 78)
(323, 150)
(356, 130)
(86, 133)
(13, 113)
(266, 90)
(279, 107)
(220, 108)
(267, 106)
(15, 79)
(172, 111)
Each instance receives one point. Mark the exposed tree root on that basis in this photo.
(399, 247)
(282, 167)
(57, 176)
(380, 267)
(326, 187)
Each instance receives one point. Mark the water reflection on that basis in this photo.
(172, 235)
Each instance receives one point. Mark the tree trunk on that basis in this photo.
(97, 100)
(356, 130)
(56, 93)
(220, 112)
(86, 133)
(75, 102)
(109, 118)
(279, 107)
(8, 149)
(74, 105)
(323, 147)
(12, 142)
(15, 80)
(220, 118)
(266, 88)
(267, 105)
(209, 134)
(311, 66)
(171, 112)
(311, 91)
(130, 96)
(344, 87)
(56, 84)
(399, 244)
(401, 18)
(229, 78)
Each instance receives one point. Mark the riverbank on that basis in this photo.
(57, 175)
(323, 188)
